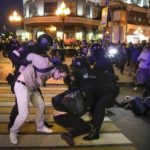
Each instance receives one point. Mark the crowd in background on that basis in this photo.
(131, 55)
(91, 70)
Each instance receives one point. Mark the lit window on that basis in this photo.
(50, 7)
(78, 35)
(134, 19)
(39, 33)
(59, 34)
(139, 19)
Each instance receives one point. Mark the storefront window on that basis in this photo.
(73, 7)
(130, 19)
(143, 20)
(137, 2)
(139, 19)
(26, 9)
(50, 7)
(134, 19)
(33, 8)
(88, 10)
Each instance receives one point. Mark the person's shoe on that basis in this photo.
(68, 138)
(47, 124)
(13, 138)
(135, 88)
(94, 135)
(44, 129)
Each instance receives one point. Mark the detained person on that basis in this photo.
(26, 90)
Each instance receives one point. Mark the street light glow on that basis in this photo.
(139, 31)
(63, 11)
(15, 17)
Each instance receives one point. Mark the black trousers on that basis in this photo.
(13, 115)
(99, 100)
(98, 110)
(73, 123)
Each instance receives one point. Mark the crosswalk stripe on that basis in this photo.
(10, 104)
(30, 128)
(12, 99)
(13, 95)
(48, 88)
(31, 118)
(53, 140)
(7, 110)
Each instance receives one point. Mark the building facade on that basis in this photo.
(130, 21)
(81, 23)
(84, 22)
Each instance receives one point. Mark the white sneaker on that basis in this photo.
(135, 88)
(13, 138)
(44, 129)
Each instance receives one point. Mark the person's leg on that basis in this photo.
(74, 124)
(22, 96)
(131, 67)
(146, 92)
(98, 115)
(14, 111)
(45, 123)
(38, 102)
(13, 115)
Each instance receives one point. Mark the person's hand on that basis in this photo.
(57, 113)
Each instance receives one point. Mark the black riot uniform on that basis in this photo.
(101, 90)
(81, 62)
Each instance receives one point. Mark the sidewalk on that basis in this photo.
(125, 79)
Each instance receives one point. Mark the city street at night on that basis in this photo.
(75, 74)
(121, 130)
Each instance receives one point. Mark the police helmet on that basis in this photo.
(96, 50)
(94, 47)
(78, 62)
(44, 41)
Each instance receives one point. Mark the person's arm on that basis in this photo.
(141, 57)
(57, 112)
(30, 57)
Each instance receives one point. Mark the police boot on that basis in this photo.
(94, 134)
(68, 138)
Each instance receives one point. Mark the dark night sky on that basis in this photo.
(7, 7)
